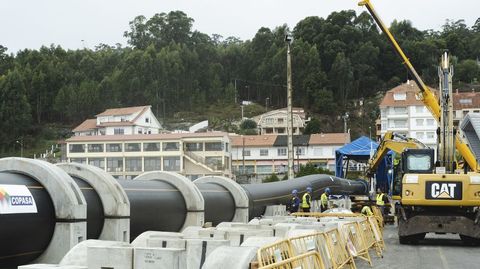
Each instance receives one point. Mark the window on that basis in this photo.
(227, 147)
(140, 130)
(467, 101)
(419, 122)
(419, 109)
(400, 110)
(264, 169)
(213, 146)
(171, 163)
(430, 122)
(78, 160)
(152, 164)
(268, 121)
(118, 131)
(430, 135)
(401, 96)
(95, 147)
(151, 146)
(399, 123)
(281, 130)
(214, 162)
(194, 146)
(419, 162)
(299, 151)
(171, 146)
(282, 152)
(420, 135)
(114, 164)
(98, 162)
(133, 164)
(147, 119)
(75, 148)
(132, 147)
(246, 152)
(263, 152)
(280, 120)
(114, 147)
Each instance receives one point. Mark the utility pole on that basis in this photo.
(288, 40)
(20, 142)
(345, 119)
(266, 104)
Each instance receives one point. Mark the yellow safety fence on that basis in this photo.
(274, 253)
(377, 232)
(313, 242)
(369, 237)
(355, 241)
(309, 260)
(320, 215)
(378, 215)
(340, 258)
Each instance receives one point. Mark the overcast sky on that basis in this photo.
(33, 23)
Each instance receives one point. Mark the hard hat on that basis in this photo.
(309, 189)
(327, 190)
(294, 192)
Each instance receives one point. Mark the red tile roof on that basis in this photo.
(122, 111)
(329, 139)
(143, 137)
(410, 88)
(469, 100)
(89, 124)
(253, 140)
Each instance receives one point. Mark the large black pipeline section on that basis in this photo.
(23, 237)
(219, 203)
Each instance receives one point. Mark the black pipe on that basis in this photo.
(24, 237)
(95, 214)
(274, 193)
(219, 203)
(154, 206)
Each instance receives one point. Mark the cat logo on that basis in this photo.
(444, 190)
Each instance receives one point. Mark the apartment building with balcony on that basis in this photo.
(120, 121)
(464, 103)
(262, 155)
(126, 156)
(403, 112)
(275, 121)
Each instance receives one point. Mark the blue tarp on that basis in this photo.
(360, 150)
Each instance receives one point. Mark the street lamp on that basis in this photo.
(266, 104)
(20, 142)
(345, 119)
(288, 41)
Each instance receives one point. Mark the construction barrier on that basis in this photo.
(369, 237)
(355, 241)
(312, 242)
(309, 260)
(320, 215)
(274, 253)
(378, 215)
(377, 232)
(337, 247)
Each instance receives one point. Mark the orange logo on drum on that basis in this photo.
(4, 196)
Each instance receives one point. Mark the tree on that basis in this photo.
(467, 71)
(312, 127)
(272, 178)
(341, 78)
(14, 109)
(311, 169)
(248, 124)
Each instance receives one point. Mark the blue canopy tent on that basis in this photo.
(360, 150)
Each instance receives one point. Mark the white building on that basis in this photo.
(126, 156)
(402, 112)
(120, 121)
(262, 155)
(275, 121)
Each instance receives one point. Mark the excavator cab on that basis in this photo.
(413, 161)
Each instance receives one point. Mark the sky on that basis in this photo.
(75, 24)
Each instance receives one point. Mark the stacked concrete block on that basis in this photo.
(231, 258)
(159, 258)
(276, 210)
(110, 257)
(197, 251)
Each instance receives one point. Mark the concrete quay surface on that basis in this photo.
(435, 252)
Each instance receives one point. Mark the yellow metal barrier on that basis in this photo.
(355, 241)
(337, 247)
(377, 232)
(320, 215)
(309, 260)
(312, 242)
(378, 215)
(369, 237)
(274, 253)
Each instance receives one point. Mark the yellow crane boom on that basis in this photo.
(428, 98)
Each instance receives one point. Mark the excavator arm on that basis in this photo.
(394, 142)
(427, 96)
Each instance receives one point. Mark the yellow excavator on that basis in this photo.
(432, 197)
